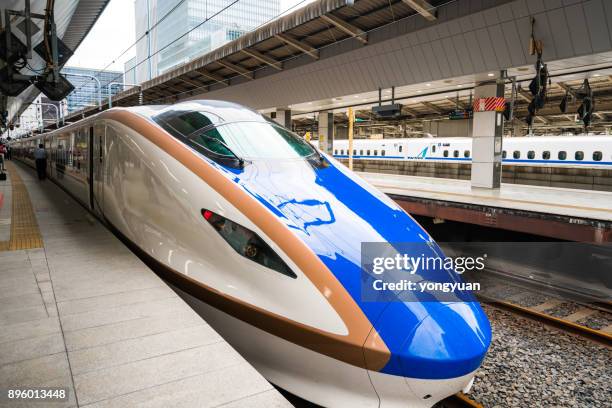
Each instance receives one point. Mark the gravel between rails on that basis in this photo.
(563, 310)
(503, 292)
(529, 299)
(532, 365)
(597, 321)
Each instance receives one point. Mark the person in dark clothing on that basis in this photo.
(40, 156)
(2, 156)
(9, 152)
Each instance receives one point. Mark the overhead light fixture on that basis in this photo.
(419, 91)
(490, 74)
(428, 84)
(597, 75)
(459, 86)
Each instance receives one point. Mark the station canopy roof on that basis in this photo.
(303, 32)
(73, 20)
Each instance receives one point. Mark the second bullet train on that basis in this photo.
(261, 234)
(586, 151)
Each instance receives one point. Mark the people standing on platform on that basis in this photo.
(9, 152)
(2, 156)
(40, 155)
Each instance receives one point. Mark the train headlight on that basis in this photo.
(247, 243)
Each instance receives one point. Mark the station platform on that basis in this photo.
(572, 214)
(79, 310)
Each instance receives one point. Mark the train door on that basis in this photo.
(90, 159)
(400, 149)
(99, 165)
(46, 141)
(431, 151)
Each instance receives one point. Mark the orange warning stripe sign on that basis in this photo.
(489, 104)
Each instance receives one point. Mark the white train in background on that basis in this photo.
(555, 151)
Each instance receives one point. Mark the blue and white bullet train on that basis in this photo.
(587, 151)
(262, 235)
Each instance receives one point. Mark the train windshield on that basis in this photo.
(184, 123)
(253, 140)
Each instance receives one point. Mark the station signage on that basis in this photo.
(497, 104)
(460, 114)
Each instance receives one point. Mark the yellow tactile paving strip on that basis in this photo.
(24, 228)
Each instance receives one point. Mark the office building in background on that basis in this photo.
(189, 29)
(129, 71)
(86, 89)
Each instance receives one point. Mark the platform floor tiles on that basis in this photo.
(85, 313)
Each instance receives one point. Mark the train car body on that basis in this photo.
(261, 235)
(543, 151)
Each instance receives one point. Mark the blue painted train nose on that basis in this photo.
(449, 340)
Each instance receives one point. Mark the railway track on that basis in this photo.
(459, 400)
(588, 318)
(568, 323)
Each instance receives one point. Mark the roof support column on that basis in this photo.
(326, 131)
(487, 130)
(282, 116)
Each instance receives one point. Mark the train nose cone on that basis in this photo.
(450, 342)
(431, 340)
(435, 349)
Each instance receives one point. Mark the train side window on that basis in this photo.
(456, 153)
(446, 153)
(597, 156)
(504, 154)
(531, 155)
(382, 152)
(466, 153)
(433, 149)
(400, 148)
(562, 155)
(516, 154)
(546, 155)
(336, 151)
(375, 152)
(579, 155)
(368, 152)
(361, 152)
(354, 152)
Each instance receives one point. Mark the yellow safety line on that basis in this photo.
(24, 228)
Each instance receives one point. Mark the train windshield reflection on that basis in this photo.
(254, 140)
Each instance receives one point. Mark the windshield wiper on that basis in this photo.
(222, 143)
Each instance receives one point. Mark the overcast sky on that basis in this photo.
(114, 32)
